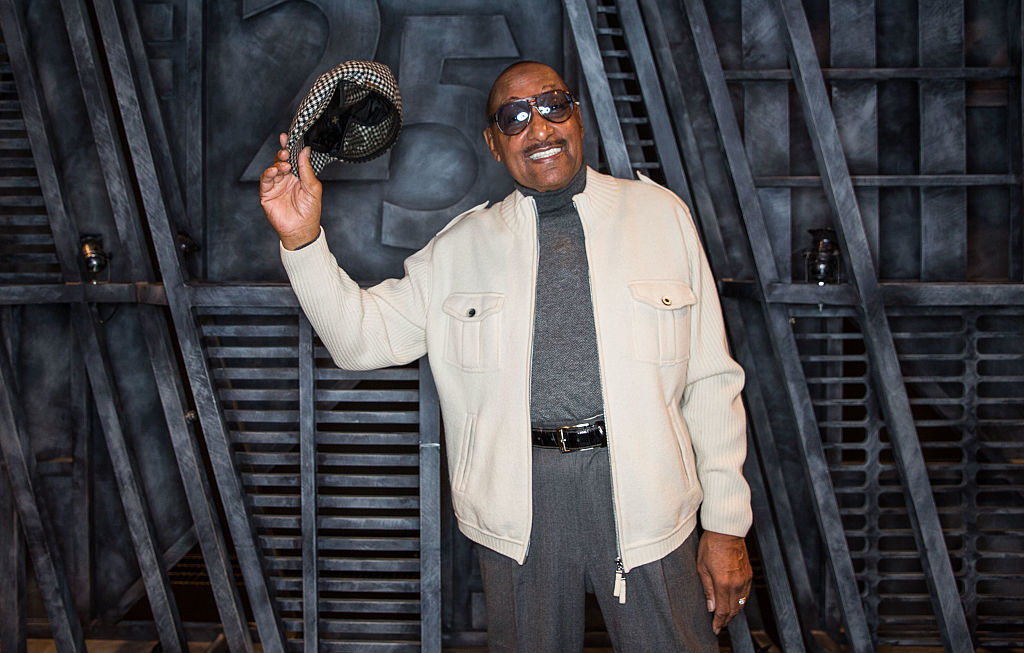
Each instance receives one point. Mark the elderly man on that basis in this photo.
(590, 403)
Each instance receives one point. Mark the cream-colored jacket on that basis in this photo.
(676, 425)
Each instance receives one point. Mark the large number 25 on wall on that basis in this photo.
(442, 167)
(439, 167)
(353, 28)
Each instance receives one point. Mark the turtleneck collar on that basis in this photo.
(553, 200)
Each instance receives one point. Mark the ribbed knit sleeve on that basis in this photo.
(362, 329)
(711, 406)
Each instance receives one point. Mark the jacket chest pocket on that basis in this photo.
(474, 330)
(661, 321)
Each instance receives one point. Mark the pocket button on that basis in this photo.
(471, 312)
(666, 300)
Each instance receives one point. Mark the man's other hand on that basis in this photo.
(725, 572)
(292, 204)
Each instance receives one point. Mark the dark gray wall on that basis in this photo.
(886, 418)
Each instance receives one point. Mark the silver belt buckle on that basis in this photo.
(561, 438)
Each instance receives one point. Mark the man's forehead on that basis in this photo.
(526, 81)
(533, 90)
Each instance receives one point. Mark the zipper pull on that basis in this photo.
(620, 581)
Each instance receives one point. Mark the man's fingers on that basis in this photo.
(267, 179)
(725, 603)
(727, 606)
(306, 174)
(283, 154)
(709, 586)
(721, 619)
(273, 175)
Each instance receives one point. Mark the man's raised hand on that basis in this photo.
(292, 205)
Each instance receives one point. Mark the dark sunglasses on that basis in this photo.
(513, 117)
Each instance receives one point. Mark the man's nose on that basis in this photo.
(539, 126)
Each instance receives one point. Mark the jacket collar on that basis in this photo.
(596, 203)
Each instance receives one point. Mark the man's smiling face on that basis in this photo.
(545, 155)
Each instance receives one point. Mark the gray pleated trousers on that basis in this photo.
(538, 607)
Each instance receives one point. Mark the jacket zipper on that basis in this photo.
(619, 588)
(620, 581)
(529, 362)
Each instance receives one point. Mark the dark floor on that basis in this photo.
(109, 646)
(125, 646)
(136, 646)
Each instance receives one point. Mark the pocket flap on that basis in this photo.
(663, 295)
(471, 307)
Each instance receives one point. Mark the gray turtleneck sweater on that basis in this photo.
(566, 377)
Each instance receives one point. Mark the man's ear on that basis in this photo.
(489, 139)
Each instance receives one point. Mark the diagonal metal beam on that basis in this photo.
(786, 617)
(150, 103)
(654, 100)
(13, 633)
(140, 525)
(430, 512)
(600, 92)
(761, 441)
(308, 489)
(35, 522)
(878, 339)
(89, 335)
(1015, 124)
(80, 567)
(136, 127)
(13, 609)
(740, 640)
(117, 180)
(783, 341)
(699, 198)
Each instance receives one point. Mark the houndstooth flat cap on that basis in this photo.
(353, 113)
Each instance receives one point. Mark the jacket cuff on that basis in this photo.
(286, 254)
(728, 513)
(306, 266)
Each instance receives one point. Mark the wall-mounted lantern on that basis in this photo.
(96, 259)
(822, 262)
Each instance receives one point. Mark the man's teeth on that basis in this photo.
(551, 151)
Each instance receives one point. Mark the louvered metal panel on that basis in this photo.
(963, 372)
(367, 484)
(253, 358)
(27, 252)
(368, 426)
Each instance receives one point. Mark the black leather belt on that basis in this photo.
(571, 438)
